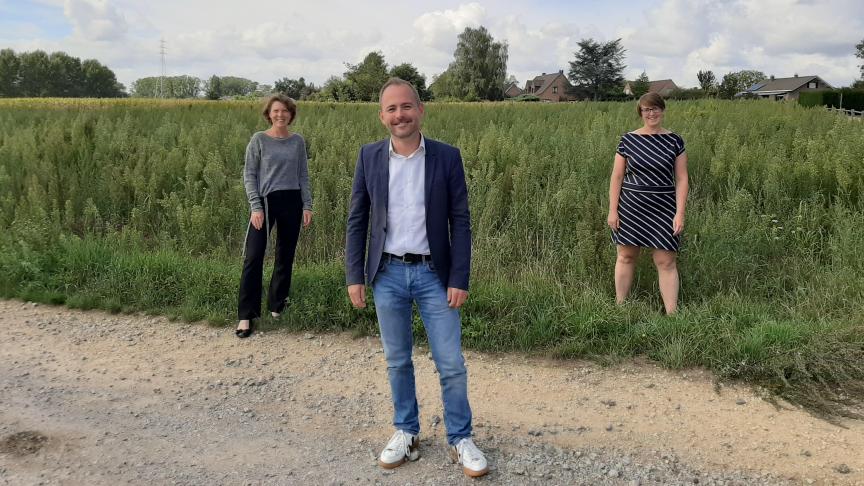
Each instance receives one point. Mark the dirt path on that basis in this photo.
(93, 398)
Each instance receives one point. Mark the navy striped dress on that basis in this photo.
(647, 206)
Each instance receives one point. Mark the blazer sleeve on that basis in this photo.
(358, 225)
(460, 225)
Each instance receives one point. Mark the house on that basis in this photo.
(785, 88)
(550, 87)
(663, 87)
(512, 91)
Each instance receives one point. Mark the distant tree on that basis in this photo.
(479, 67)
(409, 73)
(737, 82)
(213, 90)
(34, 74)
(9, 65)
(707, 81)
(234, 86)
(367, 77)
(442, 86)
(295, 88)
(858, 84)
(641, 85)
(598, 67)
(174, 87)
(67, 78)
(336, 89)
(99, 81)
(859, 53)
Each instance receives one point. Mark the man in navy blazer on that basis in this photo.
(419, 251)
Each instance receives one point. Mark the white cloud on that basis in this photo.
(440, 28)
(267, 39)
(95, 19)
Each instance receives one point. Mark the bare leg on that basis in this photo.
(667, 274)
(625, 267)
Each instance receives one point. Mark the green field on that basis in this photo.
(131, 205)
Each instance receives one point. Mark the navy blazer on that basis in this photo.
(448, 222)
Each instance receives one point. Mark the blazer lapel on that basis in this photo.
(429, 173)
(384, 172)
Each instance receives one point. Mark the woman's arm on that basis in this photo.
(682, 187)
(618, 169)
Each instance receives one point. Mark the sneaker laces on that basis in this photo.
(466, 447)
(399, 442)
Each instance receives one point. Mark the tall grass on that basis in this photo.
(132, 205)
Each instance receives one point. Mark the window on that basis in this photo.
(554, 89)
(811, 85)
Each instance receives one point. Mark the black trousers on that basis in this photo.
(284, 210)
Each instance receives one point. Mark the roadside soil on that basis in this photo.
(94, 398)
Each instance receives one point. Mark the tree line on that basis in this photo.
(478, 72)
(38, 74)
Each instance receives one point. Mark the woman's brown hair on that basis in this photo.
(285, 100)
(649, 100)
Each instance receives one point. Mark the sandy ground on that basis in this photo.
(94, 398)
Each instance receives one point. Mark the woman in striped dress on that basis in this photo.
(647, 197)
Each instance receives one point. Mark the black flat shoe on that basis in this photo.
(245, 333)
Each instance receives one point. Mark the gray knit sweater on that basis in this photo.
(276, 164)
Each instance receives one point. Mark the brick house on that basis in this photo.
(512, 91)
(550, 87)
(663, 87)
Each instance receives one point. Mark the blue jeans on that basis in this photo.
(396, 285)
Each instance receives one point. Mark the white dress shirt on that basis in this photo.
(406, 206)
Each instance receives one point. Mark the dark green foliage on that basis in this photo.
(641, 85)
(138, 205)
(707, 81)
(849, 99)
(169, 87)
(409, 73)
(478, 70)
(39, 75)
(214, 88)
(598, 67)
(295, 88)
(367, 77)
(686, 94)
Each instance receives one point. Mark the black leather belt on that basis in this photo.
(408, 257)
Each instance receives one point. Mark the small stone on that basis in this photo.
(609, 428)
(842, 469)
(740, 401)
(806, 453)
(613, 473)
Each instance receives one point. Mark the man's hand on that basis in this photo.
(357, 293)
(456, 297)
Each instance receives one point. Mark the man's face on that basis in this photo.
(400, 112)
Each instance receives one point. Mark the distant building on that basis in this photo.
(512, 91)
(785, 88)
(663, 87)
(550, 87)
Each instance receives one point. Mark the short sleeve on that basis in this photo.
(679, 142)
(622, 147)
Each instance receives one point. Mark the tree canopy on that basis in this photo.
(38, 74)
(478, 70)
(707, 81)
(598, 67)
(641, 85)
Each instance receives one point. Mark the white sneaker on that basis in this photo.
(402, 447)
(473, 461)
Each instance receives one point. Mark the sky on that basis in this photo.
(266, 40)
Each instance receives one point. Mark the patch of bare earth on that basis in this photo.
(138, 399)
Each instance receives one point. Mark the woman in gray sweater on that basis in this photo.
(276, 178)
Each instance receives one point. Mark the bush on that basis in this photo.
(850, 99)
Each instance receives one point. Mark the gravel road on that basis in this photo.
(92, 398)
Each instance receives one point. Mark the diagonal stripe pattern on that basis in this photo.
(647, 205)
